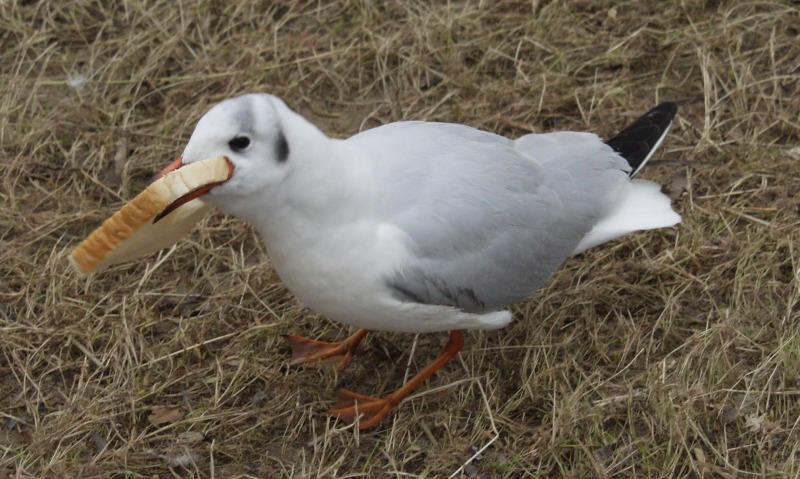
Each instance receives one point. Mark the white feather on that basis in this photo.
(643, 208)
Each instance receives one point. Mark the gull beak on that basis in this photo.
(194, 194)
(170, 167)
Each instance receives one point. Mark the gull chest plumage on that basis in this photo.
(336, 271)
(419, 226)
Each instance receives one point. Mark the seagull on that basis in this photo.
(421, 227)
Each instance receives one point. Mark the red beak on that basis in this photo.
(170, 167)
(195, 193)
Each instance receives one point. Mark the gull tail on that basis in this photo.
(642, 206)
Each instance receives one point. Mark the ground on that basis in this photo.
(670, 353)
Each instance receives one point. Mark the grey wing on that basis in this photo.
(488, 222)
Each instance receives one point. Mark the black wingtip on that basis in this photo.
(638, 141)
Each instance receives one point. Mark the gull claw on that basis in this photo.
(369, 410)
(310, 353)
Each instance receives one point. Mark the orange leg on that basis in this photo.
(307, 352)
(372, 410)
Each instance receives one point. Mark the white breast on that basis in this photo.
(339, 271)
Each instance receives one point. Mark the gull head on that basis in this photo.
(249, 132)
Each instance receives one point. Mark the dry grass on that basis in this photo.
(670, 353)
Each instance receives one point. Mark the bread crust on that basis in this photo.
(130, 232)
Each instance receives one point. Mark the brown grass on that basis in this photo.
(666, 354)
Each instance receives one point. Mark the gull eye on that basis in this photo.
(239, 143)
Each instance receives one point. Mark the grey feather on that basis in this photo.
(489, 219)
(245, 116)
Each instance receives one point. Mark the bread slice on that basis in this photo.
(131, 231)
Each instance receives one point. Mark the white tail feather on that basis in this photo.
(644, 208)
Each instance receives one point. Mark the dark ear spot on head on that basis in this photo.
(281, 148)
